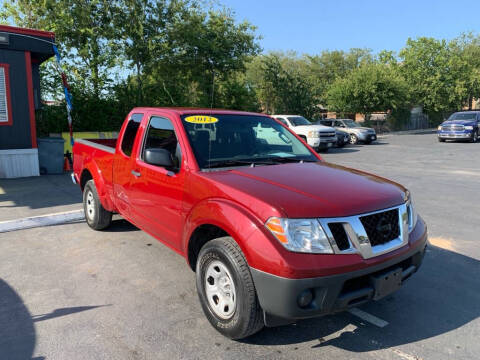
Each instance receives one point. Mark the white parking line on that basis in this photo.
(368, 317)
(42, 220)
(405, 355)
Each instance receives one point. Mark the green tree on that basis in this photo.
(434, 75)
(370, 88)
(84, 31)
(282, 86)
(467, 47)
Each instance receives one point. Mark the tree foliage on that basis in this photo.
(125, 53)
(369, 88)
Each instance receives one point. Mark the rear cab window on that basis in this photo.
(131, 133)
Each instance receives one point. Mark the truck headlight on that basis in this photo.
(468, 127)
(313, 134)
(300, 235)
(412, 214)
(439, 127)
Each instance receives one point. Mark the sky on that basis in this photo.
(310, 26)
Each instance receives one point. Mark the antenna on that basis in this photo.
(211, 112)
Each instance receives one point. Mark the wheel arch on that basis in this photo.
(214, 218)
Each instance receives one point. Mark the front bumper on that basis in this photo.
(278, 296)
(366, 136)
(322, 143)
(455, 135)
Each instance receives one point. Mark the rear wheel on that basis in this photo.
(226, 290)
(97, 217)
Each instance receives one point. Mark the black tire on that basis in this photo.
(368, 142)
(441, 140)
(247, 318)
(474, 138)
(95, 214)
(353, 139)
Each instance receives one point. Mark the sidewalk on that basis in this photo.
(40, 195)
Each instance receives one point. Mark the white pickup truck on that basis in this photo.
(317, 136)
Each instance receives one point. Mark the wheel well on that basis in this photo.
(202, 235)
(84, 178)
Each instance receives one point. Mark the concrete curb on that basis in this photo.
(411, 132)
(42, 220)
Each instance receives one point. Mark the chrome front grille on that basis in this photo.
(327, 134)
(370, 234)
(453, 128)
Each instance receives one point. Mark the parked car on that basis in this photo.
(239, 199)
(317, 136)
(464, 125)
(355, 132)
(342, 137)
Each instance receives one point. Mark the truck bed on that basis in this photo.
(103, 144)
(96, 157)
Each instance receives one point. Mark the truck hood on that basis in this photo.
(459, 122)
(320, 128)
(307, 190)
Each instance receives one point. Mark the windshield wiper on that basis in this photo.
(289, 160)
(227, 163)
(253, 162)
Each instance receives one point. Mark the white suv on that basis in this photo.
(317, 136)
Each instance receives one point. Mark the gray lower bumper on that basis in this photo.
(278, 296)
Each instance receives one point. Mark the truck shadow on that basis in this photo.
(441, 297)
(121, 225)
(17, 331)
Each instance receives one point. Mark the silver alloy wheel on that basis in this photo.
(90, 205)
(353, 139)
(220, 290)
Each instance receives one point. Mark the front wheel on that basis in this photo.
(474, 136)
(226, 290)
(97, 217)
(353, 139)
(441, 140)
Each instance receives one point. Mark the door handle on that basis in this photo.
(136, 173)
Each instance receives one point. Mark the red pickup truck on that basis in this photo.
(273, 232)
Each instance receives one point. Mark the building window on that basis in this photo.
(5, 103)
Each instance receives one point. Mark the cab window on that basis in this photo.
(161, 135)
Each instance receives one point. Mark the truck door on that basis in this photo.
(122, 165)
(156, 192)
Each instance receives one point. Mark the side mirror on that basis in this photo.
(159, 157)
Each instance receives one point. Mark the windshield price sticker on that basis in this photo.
(201, 119)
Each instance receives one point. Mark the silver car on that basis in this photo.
(355, 132)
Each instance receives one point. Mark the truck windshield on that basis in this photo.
(298, 120)
(462, 116)
(222, 140)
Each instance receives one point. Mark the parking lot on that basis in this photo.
(67, 292)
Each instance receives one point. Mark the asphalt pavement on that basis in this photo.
(68, 292)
